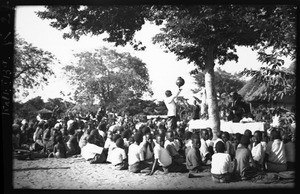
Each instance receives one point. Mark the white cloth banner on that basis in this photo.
(230, 127)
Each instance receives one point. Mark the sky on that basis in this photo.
(163, 68)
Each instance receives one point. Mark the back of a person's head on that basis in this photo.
(120, 143)
(138, 137)
(245, 140)
(248, 133)
(116, 137)
(145, 129)
(275, 134)
(168, 93)
(90, 139)
(58, 138)
(188, 135)
(219, 134)
(195, 137)
(238, 136)
(125, 134)
(220, 147)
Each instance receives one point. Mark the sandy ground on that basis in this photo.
(76, 173)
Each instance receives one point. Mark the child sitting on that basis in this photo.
(59, 150)
(92, 153)
(221, 164)
(193, 157)
(187, 141)
(163, 159)
(244, 159)
(229, 149)
(112, 146)
(275, 156)
(204, 151)
(136, 155)
(118, 156)
(170, 146)
(258, 150)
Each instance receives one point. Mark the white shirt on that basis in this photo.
(275, 150)
(203, 149)
(117, 155)
(171, 106)
(163, 156)
(111, 147)
(90, 150)
(258, 153)
(221, 163)
(135, 154)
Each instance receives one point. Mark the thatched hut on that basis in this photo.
(252, 90)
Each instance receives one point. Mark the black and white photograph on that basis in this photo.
(153, 97)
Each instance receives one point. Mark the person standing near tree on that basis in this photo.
(171, 106)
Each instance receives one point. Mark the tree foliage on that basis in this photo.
(108, 76)
(31, 66)
(225, 82)
(202, 34)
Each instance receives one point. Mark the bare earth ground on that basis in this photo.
(75, 173)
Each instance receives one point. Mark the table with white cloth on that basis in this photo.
(228, 126)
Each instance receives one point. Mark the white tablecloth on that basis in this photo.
(230, 127)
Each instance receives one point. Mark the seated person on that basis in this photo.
(162, 158)
(118, 155)
(275, 157)
(221, 164)
(193, 157)
(136, 160)
(92, 153)
(170, 146)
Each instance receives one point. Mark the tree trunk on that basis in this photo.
(213, 112)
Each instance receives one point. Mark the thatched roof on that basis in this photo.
(252, 89)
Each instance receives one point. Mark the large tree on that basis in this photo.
(109, 77)
(32, 66)
(203, 34)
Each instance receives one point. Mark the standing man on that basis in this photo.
(171, 106)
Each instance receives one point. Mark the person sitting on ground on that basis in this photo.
(258, 150)
(219, 138)
(170, 146)
(108, 142)
(228, 144)
(236, 140)
(290, 151)
(118, 156)
(136, 160)
(249, 134)
(246, 168)
(59, 150)
(187, 141)
(204, 151)
(193, 157)
(126, 135)
(275, 157)
(221, 164)
(112, 146)
(72, 145)
(209, 141)
(162, 158)
(83, 139)
(91, 152)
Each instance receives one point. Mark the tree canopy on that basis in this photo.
(31, 66)
(109, 77)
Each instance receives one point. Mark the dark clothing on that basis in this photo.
(196, 112)
(193, 160)
(173, 120)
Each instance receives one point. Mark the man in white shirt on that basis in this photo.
(171, 106)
